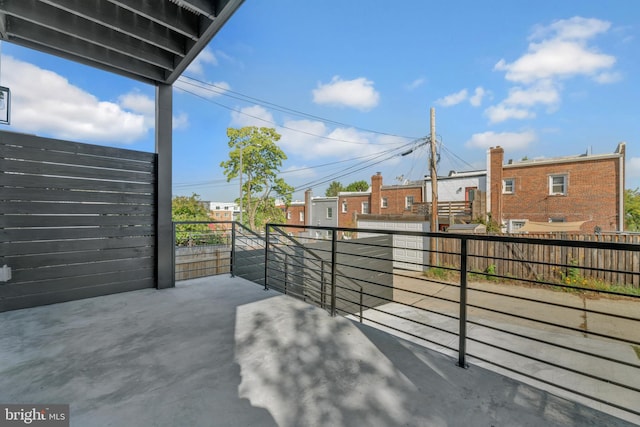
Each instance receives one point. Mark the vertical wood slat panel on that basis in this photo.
(60, 197)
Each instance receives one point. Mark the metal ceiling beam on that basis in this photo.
(153, 41)
(124, 21)
(32, 36)
(164, 13)
(224, 14)
(58, 20)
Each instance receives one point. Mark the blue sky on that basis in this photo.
(349, 85)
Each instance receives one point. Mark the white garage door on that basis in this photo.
(408, 251)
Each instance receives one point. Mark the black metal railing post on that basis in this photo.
(323, 286)
(334, 270)
(360, 304)
(462, 335)
(286, 272)
(233, 249)
(266, 258)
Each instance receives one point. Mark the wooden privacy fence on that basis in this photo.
(76, 220)
(549, 262)
(200, 261)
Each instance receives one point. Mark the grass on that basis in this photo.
(636, 348)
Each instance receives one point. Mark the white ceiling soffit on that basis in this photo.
(153, 41)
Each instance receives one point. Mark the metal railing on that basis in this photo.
(563, 315)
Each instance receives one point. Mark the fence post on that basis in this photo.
(462, 334)
(266, 257)
(334, 245)
(233, 249)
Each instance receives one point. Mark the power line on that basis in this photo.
(246, 98)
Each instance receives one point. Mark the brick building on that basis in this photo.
(587, 190)
(342, 211)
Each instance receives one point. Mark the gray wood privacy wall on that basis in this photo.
(76, 220)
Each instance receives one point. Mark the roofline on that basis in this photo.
(567, 159)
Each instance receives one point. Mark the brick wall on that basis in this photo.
(593, 192)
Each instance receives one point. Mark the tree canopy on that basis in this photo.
(261, 161)
(358, 186)
(189, 208)
(334, 188)
(632, 209)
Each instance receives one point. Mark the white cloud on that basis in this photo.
(543, 92)
(500, 113)
(556, 52)
(206, 57)
(453, 99)
(576, 28)
(357, 93)
(478, 96)
(180, 121)
(555, 59)
(606, 77)
(415, 84)
(46, 102)
(507, 140)
(252, 116)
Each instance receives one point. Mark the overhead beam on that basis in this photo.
(32, 36)
(123, 21)
(164, 13)
(76, 27)
(223, 16)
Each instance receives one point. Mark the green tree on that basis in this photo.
(334, 188)
(632, 209)
(189, 208)
(358, 186)
(261, 161)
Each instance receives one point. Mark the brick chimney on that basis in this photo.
(494, 170)
(376, 194)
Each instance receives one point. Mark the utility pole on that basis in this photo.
(434, 190)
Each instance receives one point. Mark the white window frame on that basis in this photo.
(329, 212)
(288, 214)
(516, 224)
(344, 206)
(565, 184)
(365, 207)
(407, 204)
(384, 202)
(301, 216)
(505, 187)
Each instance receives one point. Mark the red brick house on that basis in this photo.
(582, 193)
(379, 199)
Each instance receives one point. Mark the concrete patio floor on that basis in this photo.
(221, 351)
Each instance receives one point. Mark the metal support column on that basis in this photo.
(164, 227)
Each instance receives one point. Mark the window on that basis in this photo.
(408, 202)
(329, 212)
(516, 224)
(288, 214)
(556, 219)
(344, 206)
(301, 216)
(508, 186)
(384, 203)
(558, 185)
(365, 207)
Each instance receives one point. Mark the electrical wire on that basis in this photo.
(246, 98)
